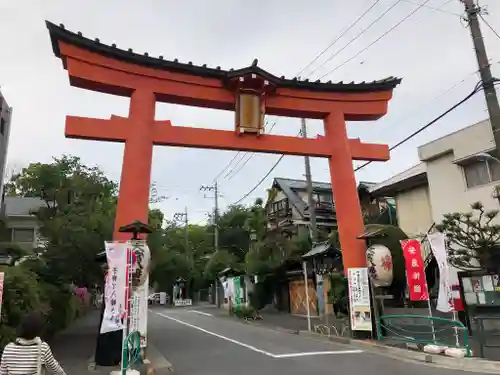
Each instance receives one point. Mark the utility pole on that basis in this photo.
(473, 12)
(310, 200)
(183, 216)
(215, 189)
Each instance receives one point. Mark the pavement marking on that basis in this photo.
(200, 312)
(276, 356)
(305, 354)
(217, 335)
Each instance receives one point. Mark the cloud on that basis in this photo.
(432, 51)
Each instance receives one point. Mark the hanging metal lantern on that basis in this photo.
(379, 263)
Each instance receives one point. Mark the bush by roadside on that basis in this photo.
(24, 291)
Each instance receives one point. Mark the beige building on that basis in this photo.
(20, 222)
(455, 171)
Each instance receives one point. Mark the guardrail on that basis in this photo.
(424, 330)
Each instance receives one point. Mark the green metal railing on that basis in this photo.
(131, 351)
(424, 330)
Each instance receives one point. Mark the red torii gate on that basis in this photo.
(251, 92)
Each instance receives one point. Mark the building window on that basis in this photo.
(323, 198)
(23, 235)
(481, 173)
(2, 126)
(281, 205)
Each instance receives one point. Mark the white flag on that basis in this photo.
(114, 288)
(438, 248)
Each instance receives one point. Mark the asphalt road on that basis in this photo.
(199, 344)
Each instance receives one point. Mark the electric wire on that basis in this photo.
(335, 54)
(477, 88)
(339, 37)
(376, 40)
(489, 26)
(421, 129)
(302, 70)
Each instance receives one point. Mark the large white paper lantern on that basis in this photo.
(379, 263)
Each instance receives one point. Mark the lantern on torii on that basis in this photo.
(250, 100)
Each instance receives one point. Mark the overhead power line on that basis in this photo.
(367, 163)
(300, 72)
(338, 38)
(477, 88)
(376, 40)
(489, 26)
(335, 54)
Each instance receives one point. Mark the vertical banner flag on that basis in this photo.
(438, 248)
(114, 288)
(140, 286)
(415, 273)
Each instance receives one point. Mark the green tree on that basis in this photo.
(78, 217)
(473, 238)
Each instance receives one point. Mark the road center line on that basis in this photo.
(217, 335)
(200, 312)
(277, 356)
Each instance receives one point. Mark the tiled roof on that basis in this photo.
(59, 33)
(22, 206)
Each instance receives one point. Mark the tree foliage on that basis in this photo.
(80, 204)
(472, 237)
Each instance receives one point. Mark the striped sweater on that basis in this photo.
(22, 359)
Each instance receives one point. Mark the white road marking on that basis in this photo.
(217, 335)
(200, 312)
(305, 354)
(277, 356)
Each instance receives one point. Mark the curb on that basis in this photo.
(156, 363)
(433, 360)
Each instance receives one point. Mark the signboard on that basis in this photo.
(359, 299)
(415, 273)
(2, 277)
(482, 290)
(182, 302)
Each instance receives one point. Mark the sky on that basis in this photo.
(431, 51)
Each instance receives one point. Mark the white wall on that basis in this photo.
(414, 210)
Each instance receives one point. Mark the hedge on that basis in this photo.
(23, 292)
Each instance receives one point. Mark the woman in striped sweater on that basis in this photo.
(28, 354)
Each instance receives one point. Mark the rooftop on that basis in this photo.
(60, 34)
(22, 206)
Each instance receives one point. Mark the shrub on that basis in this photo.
(243, 312)
(22, 293)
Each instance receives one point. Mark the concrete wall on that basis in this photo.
(464, 142)
(448, 189)
(414, 210)
(6, 116)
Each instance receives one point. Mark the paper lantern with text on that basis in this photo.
(379, 263)
(141, 259)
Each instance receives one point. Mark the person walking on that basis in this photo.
(28, 354)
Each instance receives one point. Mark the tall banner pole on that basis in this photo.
(304, 264)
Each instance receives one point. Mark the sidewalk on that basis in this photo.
(74, 348)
